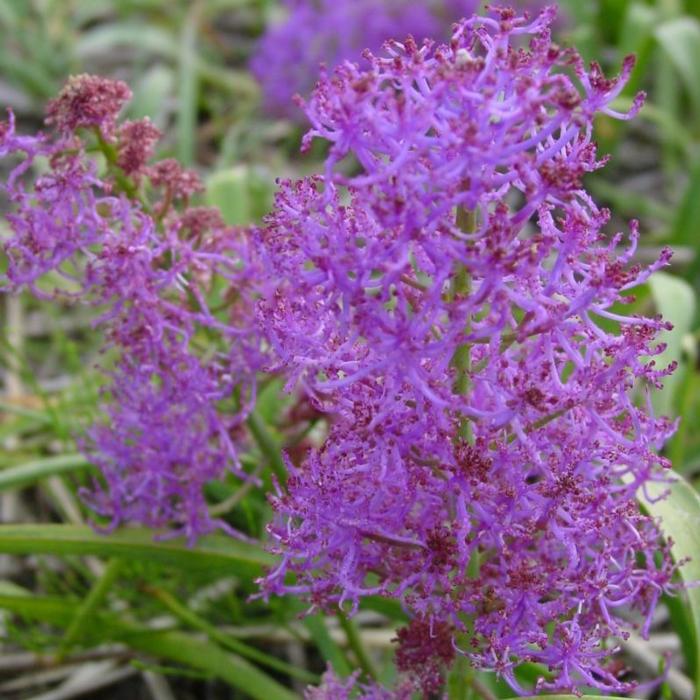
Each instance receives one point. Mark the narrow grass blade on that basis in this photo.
(30, 472)
(176, 647)
(90, 606)
(188, 90)
(185, 615)
(214, 553)
(204, 656)
(330, 651)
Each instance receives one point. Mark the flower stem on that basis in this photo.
(109, 152)
(461, 360)
(355, 643)
(268, 446)
(86, 611)
(186, 616)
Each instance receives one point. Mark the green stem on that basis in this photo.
(186, 616)
(330, 651)
(268, 446)
(109, 151)
(461, 360)
(355, 643)
(458, 680)
(94, 599)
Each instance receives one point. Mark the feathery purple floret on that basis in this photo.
(316, 32)
(148, 268)
(334, 688)
(447, 296)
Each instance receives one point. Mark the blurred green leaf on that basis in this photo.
(8, 14)
(188, 88)
(637, 37)
(610, 16)
(388, 607)
(680, 39)
(227, 190)
(30, 75)
(686, 397)
(675, 301)
(150, 94)
(627, 202)
(271, 401)
(686, 223)
(268, 445)
(242, 194)
(214, 553)
(31, 472)
(680, 522)
(142, 37)
(682, 624)
(148, 39)
(673, 129)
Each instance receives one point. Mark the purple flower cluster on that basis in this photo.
(444, 294)
(125, 242)
(334, 688)
(447, 296)
(329, 32)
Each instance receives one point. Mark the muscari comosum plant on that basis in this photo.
(443, 295)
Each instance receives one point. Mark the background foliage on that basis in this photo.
(127, 616)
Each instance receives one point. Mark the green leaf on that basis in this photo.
(242, 194)
(331, 652)
(214, 553)
(637, 27)
(88, 608)
(208, 657)
(144, 37)
(185, 615)
(675, 301)
(150, 94)
(271, 401)
(171, 645)
(626, 201)
(388, 607)
(228, 190)
(686, 224)
(682, 624)
(680, 39)
(672, 128)
(268, 446)
(31, 472)
(680, 522)
(8, 15)
(687, 407)
(188, 86)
